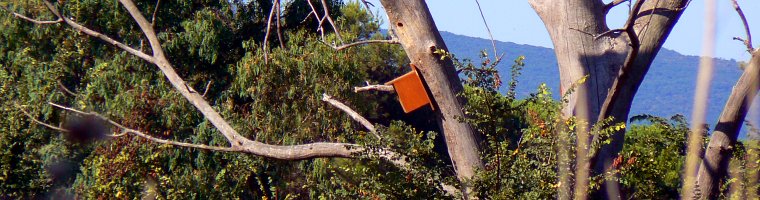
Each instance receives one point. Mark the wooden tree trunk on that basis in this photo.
(415, 28)
(585, 48)
(718, 153)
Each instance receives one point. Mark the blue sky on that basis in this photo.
(515, 21)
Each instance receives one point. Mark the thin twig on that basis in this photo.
(353, 114)
(320, 20)
(345, 46)
(38, 22)
(66, 90)
(748, 41)
(125, 129)
(208, 85)
(98, 35)
(153, 19)
(367, 4)
(266, 37)
(279, 34)
(329, 19)
(493, 42)
(34, 119)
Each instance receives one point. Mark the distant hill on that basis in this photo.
(667, 90)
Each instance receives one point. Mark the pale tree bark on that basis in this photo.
(585, 47)
(418, 34)
(718, 152)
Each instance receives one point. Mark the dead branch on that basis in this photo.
(266, 36)
(65, 90)
(38, 22)
(329, 19)
(353, 114)
(208, 85)
(34, 119)
(493, 42)
(279, 34)
(383, 88)
(747, 42)
(612, 4)
(320, 29)
(153, 19)
(345, 46)
(98, 35)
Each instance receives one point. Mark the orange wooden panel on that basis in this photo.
(411, 92)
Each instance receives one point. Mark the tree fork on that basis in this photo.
(585, 46)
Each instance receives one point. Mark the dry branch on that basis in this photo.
(747, 42)
(353, 114)
(38, 22)
(345, 46)
(383, 88)
(35, 120)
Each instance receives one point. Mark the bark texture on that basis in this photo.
(418, 34)
(585, 47)
(718, 153)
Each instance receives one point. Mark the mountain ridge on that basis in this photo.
(668, 88)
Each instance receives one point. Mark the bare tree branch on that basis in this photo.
(345, 46)
(329, 19)
(279, 34)
(208, 85)
(353, 114)
(266, 36)
(38, 22)
(98, 35)
(394, 158)
(748, 41)
(153, 19)
(493, 42)
(34, 119)
(65, 90)
(384, 88)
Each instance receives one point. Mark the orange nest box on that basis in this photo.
(411, 92)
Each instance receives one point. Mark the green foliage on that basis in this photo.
(651, 162)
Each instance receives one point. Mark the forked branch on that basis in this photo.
(748, 41)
